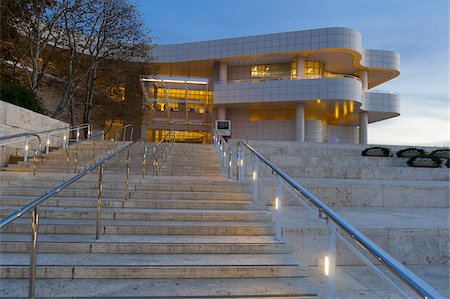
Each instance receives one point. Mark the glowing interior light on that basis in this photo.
(310, 70)
(327, 266)
(277, 205)
(351, 107)
(345, 108)
(254, 175)
(318, 101)
(336, 111)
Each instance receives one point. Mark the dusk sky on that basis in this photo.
(417, 29)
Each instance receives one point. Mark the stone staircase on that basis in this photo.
(189, 232)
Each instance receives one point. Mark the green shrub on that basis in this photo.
(438, 161)
(410, 152)
(21, 96)
(386, 152)
(441, 153)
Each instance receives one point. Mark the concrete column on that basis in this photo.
(300, 68)
(222, 115)
(364, 80)
(363, 122)
(300, 123)
(223, 72)
(363, 115)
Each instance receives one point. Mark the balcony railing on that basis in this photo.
(307, 77)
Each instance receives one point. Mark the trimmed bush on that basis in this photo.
(425, 161)
(377, 151)
(410, 152)
(441, 153)
(21, 96)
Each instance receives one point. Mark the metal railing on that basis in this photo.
(47, 135)
(289, 77)
(224, 151)
(34, 207)
(333, 221)
(159, 153)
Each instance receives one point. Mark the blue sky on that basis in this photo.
(417, 29)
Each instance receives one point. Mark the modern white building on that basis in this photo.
(312, 85)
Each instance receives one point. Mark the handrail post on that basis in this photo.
(144, 160)
(131, 134)
(65, 139)
(93, 150)
(330, 259)
(76, 159)
(255, 180)
(224, 157)
(229, 163)
(78, 134)
(99, 201)
(127, 174)
(238, 159)
(155, 160)
(67, 160)
(278, 204)
(33, 252)
(25, 152)
(47, 144)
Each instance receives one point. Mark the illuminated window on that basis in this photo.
(116, 93)
(270, 71)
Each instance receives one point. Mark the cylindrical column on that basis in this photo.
(222, 113)
(363, 122)
(300, 122)
(223, 72)
(300, 67)
(33, 252)
(364, 80)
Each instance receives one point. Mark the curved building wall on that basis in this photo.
(287, 90)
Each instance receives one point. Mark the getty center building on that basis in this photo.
(311, 85)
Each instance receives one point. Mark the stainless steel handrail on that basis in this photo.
(8, 139)
(288, 78)
(224, 149)
(161, 149)
(33, 207)
(421, 287)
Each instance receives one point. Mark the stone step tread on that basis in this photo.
(137, 211)
(149, 260)
(396, 182)
(131, 190)
(141, 239)
(131, 200)
(145, 223)
(272, 287)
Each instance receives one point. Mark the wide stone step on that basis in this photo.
(146, 214)
(131, 203)
(148, 244)
(104, 266)
(93, 185)
(273, 287)
(5, 191)
(77, 226)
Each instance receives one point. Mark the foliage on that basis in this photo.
(438, 161)
(386, 152)
(410, 150)
(442, 153)
(20, 96)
